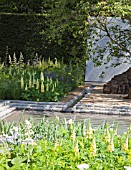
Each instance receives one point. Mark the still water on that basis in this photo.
(97, 120)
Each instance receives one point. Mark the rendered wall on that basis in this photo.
(93, 73)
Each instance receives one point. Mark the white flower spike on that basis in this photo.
(127, 167)
(83, 166)
(70, 121)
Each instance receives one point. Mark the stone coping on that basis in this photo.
(90, 100)
(7, 106)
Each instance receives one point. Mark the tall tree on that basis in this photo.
(107, 17)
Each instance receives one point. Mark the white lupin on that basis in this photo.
(42, 76)
(83, 166)
(127, 167)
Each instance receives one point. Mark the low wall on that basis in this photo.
(119, 84)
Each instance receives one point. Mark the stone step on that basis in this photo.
(36, 105)
(34, 102)
(6, 111)
(106, 107)
(4, 107)
(103, 107)
(3, 103)
(99, 110)
(38, 108)
(104, 111)
(46, 106)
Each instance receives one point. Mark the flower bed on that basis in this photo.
(62, 144)
(43, 81)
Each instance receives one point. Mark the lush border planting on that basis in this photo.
(62, 144)
(44, 80)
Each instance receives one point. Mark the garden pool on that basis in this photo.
(97, 120)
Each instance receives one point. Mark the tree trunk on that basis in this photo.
(129, 94)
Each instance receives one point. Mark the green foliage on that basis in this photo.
(21, 33)
(43, 81)
(55, 29)
(13, 6)
(9, 87)
(57, 34)
(118, 44)
(68, 30)
(117, 41)
(61, 144)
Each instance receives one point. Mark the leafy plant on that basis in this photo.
(47, 80)
(9, 88)
(63, 144)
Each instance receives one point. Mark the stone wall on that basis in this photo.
(119, 84)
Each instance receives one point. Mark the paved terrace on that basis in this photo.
(97, 102)
(90, 100)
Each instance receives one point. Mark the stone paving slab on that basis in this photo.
(97, 102)
(6, 111)
(35, 102)
(98, 97)
(3, 103)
